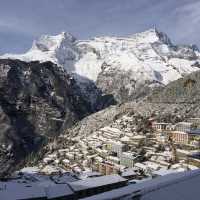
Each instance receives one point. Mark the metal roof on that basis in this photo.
(96, 182)
(179, 186)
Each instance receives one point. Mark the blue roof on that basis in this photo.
(193, 132)
(195, 155)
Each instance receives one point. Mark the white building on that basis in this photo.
(117, 147)
(183, 126)
(127, 159)
(162, 126)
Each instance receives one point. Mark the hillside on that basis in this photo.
(185, 90)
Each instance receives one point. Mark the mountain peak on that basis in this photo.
(152, 35)
(67, 36)
(50, 43)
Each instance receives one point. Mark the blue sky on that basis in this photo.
(21, 21)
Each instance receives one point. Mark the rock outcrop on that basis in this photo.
(37, 101)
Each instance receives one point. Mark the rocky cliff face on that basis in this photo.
(37, 101)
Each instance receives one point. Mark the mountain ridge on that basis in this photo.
(144, 60)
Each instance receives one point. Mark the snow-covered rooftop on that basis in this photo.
(96, 182)
(65, 178)
(13, 191)
(111, 130)
(128, 172)
(163, 172)
(58, 191)
(194, 132)
(87, 174)
(179, 186)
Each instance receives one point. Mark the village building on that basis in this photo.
(188, 137)
(179, 137)
(194, 159)
(138, 138)
(163, 172)
(194, 137)
(125, 140)
(106, 168)
(129, 174)
(161, 126)
(89, 174)
(194, 120)
(113, 159)
(141, 166)
(111, 132)
(183, 126)
(128, 159)
(162, 137)
(117, 147)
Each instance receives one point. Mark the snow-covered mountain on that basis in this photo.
(123, 66)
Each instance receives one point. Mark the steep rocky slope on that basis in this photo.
(37, 101)
(183, 91)
(127, 67)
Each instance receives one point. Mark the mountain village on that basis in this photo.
(128, 152)
(124, 145)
